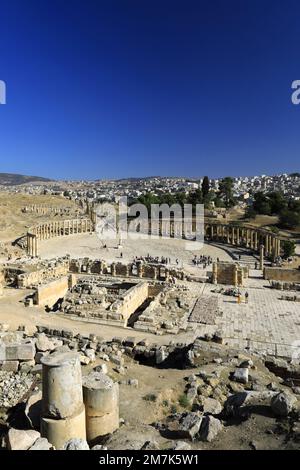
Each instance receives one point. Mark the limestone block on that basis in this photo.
(21, 440)
(17, 351)
(10, 366)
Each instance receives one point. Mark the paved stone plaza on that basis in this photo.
(265, 324)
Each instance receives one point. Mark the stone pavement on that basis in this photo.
(266, 324)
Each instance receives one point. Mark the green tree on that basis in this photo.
(289, 248)
(226, 191)
(289, 219)
(277, 202)
(261, 204)
(205, 186)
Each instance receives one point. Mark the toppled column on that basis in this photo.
(63, 413)
(101, 399)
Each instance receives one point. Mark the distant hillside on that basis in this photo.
(9, 179)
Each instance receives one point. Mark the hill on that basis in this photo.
(10, 179)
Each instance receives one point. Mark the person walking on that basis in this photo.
(246, 297)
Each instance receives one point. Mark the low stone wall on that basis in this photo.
(42, 274)
(131, 300)
(49, 293)
(282, 274)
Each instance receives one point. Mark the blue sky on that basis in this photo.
(117, 88)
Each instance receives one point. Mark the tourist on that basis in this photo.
(246, 297)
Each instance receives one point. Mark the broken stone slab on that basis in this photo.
(119, 361)
(211, 406)
(239, 401)
(180, 445)
(184, 425)
(241, 375)
(33, 409)
(282, 404)
(99, 447)
(17, 439)
(91, 354)
(210, 427)
(84, 360)
(26, 366)
(43, 343)
(160, 356)
(76, 444)
(23, 351)
(42, 444)
(9, 366)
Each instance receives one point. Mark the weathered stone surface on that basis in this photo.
(241, 375)
(22, 351)
(84, 360)
(43, 343)
(99, 447)
(33, 409)
(13, 387)
(150, 445)
(184, 425)
(41, 444)
(10, 366)
(211, 406)
(181, 445)
(76, 444)
(210, 427)
(101, 368)
(62, 385)
(282, 404)
(91, 354)
(21, 440)
(160, 356)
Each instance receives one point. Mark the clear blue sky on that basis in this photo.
(117, 88)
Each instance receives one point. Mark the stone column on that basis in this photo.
(255, 241)
(261, 257)
(228, 237)
(235, 275)
(238, 236)
(214, 278)
(63, 413)
(233, 236)
(35, 246)
(101, 399)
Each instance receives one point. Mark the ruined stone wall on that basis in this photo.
(140, 270)
(131, 300)
(49, 293)
(86, 265)
(43, 209)
(229, 273)
(282, 274)
(31, 279)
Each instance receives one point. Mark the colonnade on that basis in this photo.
(47, 230)
(247, 237)
(243, 236)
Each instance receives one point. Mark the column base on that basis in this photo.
(59, 431)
